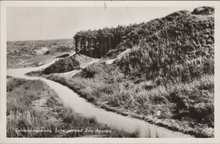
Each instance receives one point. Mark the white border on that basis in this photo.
(5, 4)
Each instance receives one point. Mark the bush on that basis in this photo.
(63, 65)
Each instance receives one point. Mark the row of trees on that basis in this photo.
(97, 43)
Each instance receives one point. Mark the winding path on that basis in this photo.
(87, 109)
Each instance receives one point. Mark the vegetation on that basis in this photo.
(167, 75)
(34, 110)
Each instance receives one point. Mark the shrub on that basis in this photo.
(63, 65)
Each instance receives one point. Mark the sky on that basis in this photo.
(40, 23)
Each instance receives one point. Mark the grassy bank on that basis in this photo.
(34, 110)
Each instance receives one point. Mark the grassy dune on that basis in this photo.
(166, 78)
(34, 110)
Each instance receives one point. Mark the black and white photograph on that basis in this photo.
(109, 70)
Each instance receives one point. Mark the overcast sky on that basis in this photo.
(38, 23)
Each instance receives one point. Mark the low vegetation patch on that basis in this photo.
(34, 110)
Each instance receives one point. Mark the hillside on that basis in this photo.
(166, 77)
